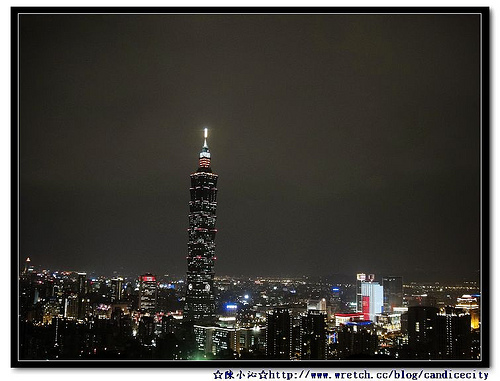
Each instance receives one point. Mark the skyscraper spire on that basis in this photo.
(204, 165)
(206, 136)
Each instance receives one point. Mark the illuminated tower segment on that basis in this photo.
(200, 300)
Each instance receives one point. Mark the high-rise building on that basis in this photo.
(313, 335)
(251, 340)
(116, 289)
(373, 299)
(355, 338)
(215, 339)
(200, 301)
(453, 327)
(146, 331)
(335, 300)
(148, 289)
(26, 288)
(82, 295)
(82, 283)
(279, 334)
(360, 278)
(439, 335)
(393, 292)
(470, 303)
(71, 306)
(422, 343)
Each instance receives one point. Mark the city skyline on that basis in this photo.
(342, 145)
(71, 316)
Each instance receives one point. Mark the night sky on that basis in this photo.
(343, 143)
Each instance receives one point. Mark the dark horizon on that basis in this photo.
(343, 143)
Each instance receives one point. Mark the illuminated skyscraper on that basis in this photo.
(148, 289)
(71, 306)
(373, 299)
(200, 300)
(82, 295)
(117, 289)
(470, 303)
(361, 278)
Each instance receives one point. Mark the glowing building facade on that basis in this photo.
(200, 301)
(117, 289)
(148, 290)
(470, 303)
(373, 299)
(82, 296)
(360, 279)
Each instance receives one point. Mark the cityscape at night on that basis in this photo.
(71, 315)
(213, 187)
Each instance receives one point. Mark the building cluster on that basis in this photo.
(69, 315)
